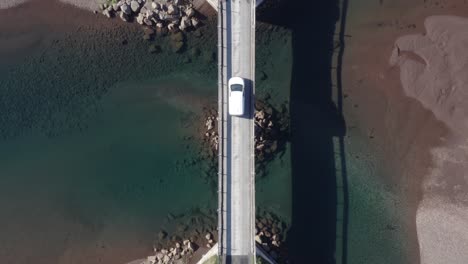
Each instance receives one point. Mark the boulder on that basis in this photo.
(171, 9)
(140, 18)
(159, 256)
(147, 22)
(135, 6)
(189, 12)
(258, 239)
(126, 9)
(171, 26)
(194, 21)
(151, 259)
(184, 23)
(149, 13)
(116, 7)
(107, 13)
(124, 16)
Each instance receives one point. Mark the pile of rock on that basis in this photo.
(210, 240)
(269, 235)
(271, 131)
(171, 14)
(176, 254)
(211, 134)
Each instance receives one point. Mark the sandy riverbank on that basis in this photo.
(84, 4)
(405, 82)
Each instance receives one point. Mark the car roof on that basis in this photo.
(236, 80)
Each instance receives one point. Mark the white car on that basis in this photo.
(236, 96)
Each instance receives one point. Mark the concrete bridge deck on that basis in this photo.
(236, 40)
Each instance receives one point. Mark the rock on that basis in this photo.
(194, 21)
(164, 251)
(159, 25)
(124, 16)
(185, 23)
(159, 256)
(147, 22)
(209, 124)
(151, 259)
(171, 27)
(210, 241)
(126, 9)
(208, 245)
(190, 246)
(156, 6)
(186, 242)
(177, 245)
(190, 12)
(208, 236)
(135, 6)
(275, 243)
(116, 7)
(149, 14)
(140, 19)
(258, 239)
(107, 13)
(166, 259)
(171, 9)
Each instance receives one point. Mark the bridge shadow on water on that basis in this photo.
(319, 184)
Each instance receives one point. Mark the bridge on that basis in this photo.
(236, 57)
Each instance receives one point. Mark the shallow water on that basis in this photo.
(94, 152)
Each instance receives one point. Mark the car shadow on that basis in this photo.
(318, 232)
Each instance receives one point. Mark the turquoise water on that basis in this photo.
(94, 153)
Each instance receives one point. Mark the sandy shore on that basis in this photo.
(406, 79)
(84, 4)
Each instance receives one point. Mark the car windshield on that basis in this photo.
(236, 88)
